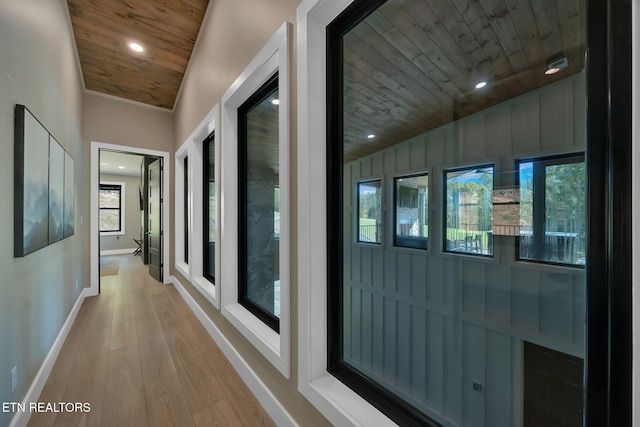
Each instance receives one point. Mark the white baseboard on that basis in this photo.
(266, 398)
(117, 252)
(22, 418)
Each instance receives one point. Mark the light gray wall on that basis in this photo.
(131, 215)
(38, 68)
(455, 319)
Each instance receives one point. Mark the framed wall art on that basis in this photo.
(44, 182)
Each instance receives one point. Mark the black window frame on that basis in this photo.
(256, 98)
(206, 179)
(444, 207)
(112, 187)
(539, 223)
(185, 163)
(410, 242)
(379, 232)
(609, 349)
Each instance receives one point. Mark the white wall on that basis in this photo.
(38, 68)
(429, 324)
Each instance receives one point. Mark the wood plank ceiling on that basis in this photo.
(167, 29)
(412, 65)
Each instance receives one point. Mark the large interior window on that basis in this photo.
(436, 337)
(110, 208)
(209, 203)
(258, 200)
(469, 210)
(553, 210)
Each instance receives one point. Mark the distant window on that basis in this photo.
(469, 210)
(186, 209)
(110, 206)
(209, 218)
(369, 227)
(553, 210)
(411, 195)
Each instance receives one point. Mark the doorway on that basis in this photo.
(162, 239)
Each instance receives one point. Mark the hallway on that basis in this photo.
(139, 356)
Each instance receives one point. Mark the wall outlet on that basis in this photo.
(14, 378)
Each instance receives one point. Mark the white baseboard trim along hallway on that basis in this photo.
(21, 418)
(266, 398)
(117, 252)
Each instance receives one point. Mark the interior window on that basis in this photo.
(412, 211)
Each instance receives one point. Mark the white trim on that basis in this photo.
(273, 57)
(127, 251)
(21, 419)
(266, 398)
(123, 212)
(196, 152)
(181, 265)
(338, 403)
(95, 235)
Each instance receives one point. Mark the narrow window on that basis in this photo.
(369, 211)
(186, 210)
(469, 210)
(209, 203)
(258, 181)
(553, 210)
(411, 211)
(110, 204)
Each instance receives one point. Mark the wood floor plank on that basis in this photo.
(139, 356)
(220, 414)
(166, 404)
(124, 402)
(236, 390)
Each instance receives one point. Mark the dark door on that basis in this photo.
(154, 191)
(552, 388)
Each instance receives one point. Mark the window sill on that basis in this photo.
(265, 339)
(207, 289)
(183, 268)
(112, 233)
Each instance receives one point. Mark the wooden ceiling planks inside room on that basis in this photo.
(412, 65)
(167, 29)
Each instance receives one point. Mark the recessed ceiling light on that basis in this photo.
(552, 71)
(480, 85)
(121, 167)
(136, 47)
(275, 101)
(371, 136)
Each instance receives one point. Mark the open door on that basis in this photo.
(154, 192)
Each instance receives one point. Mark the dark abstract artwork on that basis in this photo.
(39, 182)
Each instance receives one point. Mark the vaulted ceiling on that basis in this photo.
(166, 29)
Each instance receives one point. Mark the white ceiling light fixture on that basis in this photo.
(121, 167)
(136, 47)
(275, 101)
(553, 66)
(371, 136)
(481, 84)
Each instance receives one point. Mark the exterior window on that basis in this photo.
(209, 203)
(369, 212)
(553, 210)
(411, 211)
(258, 245)
(110, 204)
(186, 210)
(469, 210)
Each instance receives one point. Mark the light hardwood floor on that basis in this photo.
(139, 356)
